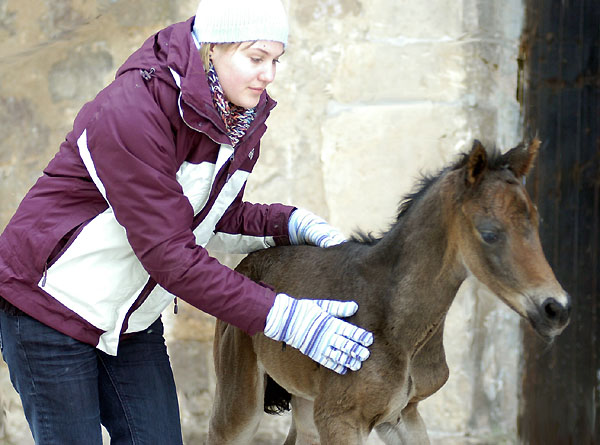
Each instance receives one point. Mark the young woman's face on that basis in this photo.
(245, 71)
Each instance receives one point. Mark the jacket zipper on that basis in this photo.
(200, 114)
(180, 99)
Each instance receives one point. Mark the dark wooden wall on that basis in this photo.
(560, 396)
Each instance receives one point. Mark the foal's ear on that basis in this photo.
(476, 163)
(521, 159)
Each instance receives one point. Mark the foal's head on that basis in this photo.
(496, 230)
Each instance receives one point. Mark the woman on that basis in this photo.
(114, 231)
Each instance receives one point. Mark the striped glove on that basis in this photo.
(307, 228)
(311, 326)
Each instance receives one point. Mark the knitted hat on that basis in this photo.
(228, 21)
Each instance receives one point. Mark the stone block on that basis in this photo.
(401, 20)
(379, 72)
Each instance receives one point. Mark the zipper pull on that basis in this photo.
(45, 275)
(176, 307)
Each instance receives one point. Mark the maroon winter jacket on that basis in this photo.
(144, 181)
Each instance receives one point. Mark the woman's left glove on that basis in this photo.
(312, 327)
(307, 228)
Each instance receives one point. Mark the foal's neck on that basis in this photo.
(425, 268)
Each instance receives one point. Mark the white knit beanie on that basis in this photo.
(228, 21)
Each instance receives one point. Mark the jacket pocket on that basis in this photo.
(61, 247)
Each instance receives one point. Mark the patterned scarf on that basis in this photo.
(237, 119)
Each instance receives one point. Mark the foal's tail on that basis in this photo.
(277, 399)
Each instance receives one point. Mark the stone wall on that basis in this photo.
(371, 94)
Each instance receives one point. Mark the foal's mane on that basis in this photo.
(495, 161)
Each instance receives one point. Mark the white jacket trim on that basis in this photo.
(236, 243)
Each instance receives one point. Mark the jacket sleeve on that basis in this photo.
(132, 148)
(247, 227)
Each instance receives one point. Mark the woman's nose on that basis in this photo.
(267, 74)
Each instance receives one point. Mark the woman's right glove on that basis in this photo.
(311, 326)
(305, 227)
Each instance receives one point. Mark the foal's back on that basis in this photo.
(305, 271)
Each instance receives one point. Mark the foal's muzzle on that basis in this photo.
(551, 317)
(556, 313)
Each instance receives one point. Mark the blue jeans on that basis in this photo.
(68, 388)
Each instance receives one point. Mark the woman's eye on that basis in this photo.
(256, 59)
(489, 236)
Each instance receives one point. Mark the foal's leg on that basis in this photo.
(339, 423)
(339, 431)
(415, 427)
(409, 430)
(239, 392)
(303, 430)
(291, 437)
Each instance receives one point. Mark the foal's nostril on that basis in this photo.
(555, 311)
(551, 308)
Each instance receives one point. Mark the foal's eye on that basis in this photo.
(489, 236)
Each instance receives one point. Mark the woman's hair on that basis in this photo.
(206, 47)
(205, 51)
